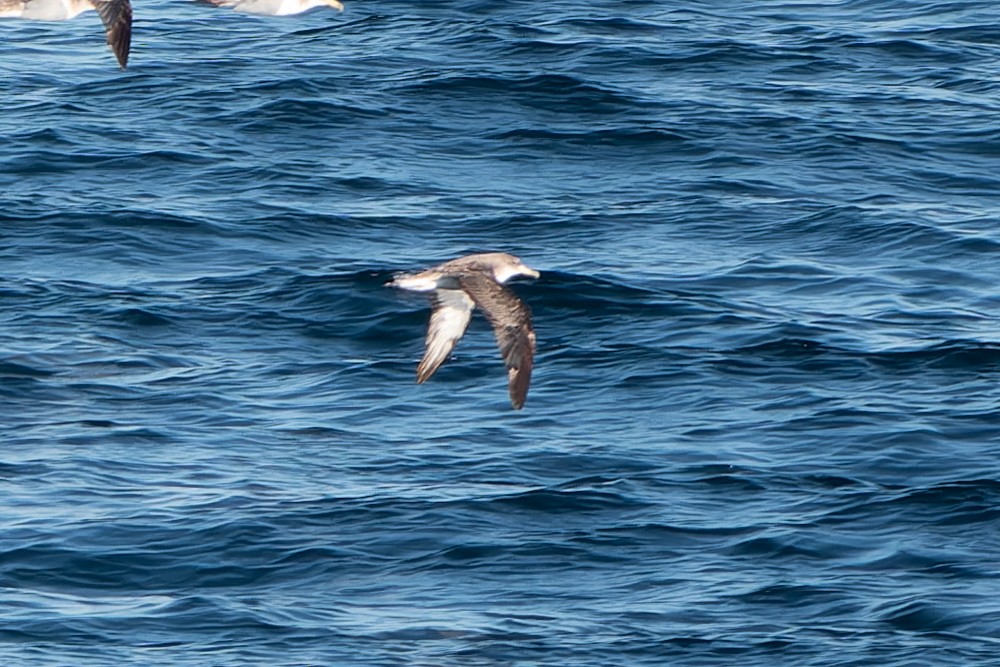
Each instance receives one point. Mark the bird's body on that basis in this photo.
(275, 7)
(456, 288)
(115, 14)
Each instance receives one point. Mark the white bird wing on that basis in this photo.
(117, 18)
(511, 320)
(449, 320)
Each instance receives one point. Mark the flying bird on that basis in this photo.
(456, 288)
(275, 7)
(115, 14)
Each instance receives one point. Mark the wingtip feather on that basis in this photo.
(520, 380)
(426, 369)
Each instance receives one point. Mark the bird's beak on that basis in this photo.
(335, 4)
(531, 273)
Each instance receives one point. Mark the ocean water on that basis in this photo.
(764, 426)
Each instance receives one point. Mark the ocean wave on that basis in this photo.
(763, 409)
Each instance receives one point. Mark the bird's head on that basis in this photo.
(506, 266)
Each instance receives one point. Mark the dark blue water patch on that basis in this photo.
(564, 501)
(295, 112)
(957, 355)
(920, 616)
(616, 26)
(637, 137)
(10, 471)
(794, 595)
(10, 369)
(546, 91)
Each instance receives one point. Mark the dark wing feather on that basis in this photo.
(117, 18)
(511, 320)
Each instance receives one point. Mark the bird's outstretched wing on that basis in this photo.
(449, 320)
(117, 18)
(511, 320)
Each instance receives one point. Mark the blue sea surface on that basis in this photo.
(764, 423)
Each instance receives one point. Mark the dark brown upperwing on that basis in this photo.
(117, 18)
(511, 320)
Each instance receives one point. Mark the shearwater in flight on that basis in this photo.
(115, 14)
(274, 7)
(456, 288)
